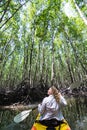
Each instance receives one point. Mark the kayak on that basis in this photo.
(39, 126)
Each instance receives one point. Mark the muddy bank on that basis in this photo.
(25, 94)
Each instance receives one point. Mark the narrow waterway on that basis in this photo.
(75, 113)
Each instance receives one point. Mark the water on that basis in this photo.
(75, 113)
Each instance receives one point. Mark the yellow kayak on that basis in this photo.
(39, 126)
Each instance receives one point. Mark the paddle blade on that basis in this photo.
(21, 116)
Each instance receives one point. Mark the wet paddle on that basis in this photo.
(24, 114)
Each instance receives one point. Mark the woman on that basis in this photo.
(50, 108)
(50, 117)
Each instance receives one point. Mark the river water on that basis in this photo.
(75, 113)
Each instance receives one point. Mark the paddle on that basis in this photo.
(24, 114)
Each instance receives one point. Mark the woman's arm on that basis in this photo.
(42, 106)
(62, 100)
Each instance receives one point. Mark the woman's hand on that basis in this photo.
(59, 94)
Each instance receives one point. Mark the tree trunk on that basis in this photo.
(25, 67)
(70, 71)
(52, 68)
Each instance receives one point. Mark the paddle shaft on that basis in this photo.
(34, 108)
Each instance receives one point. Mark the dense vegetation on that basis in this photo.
(42, 41)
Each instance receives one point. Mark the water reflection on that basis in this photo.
(75, 113)
(12, 126)
(7, 123)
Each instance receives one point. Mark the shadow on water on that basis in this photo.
(75, 113)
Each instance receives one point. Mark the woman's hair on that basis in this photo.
(55, 93)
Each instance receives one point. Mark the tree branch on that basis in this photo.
(5, 10)
(12, 15)
(80, 13)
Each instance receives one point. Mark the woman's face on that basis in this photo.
(50, 91)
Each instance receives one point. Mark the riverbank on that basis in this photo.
(24, 95)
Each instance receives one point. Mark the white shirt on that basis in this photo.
(50, 109)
